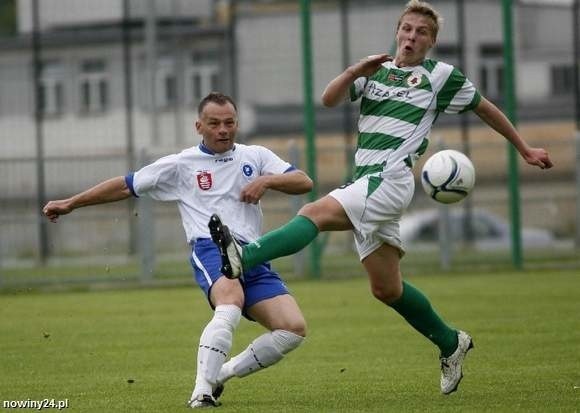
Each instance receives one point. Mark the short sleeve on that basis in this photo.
(270, 163)
(158, 180)
(458, 94)
(357, 88)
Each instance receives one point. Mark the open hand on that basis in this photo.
(369, 65)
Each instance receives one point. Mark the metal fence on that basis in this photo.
(92, 92)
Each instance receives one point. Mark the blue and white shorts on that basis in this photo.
(259, 283)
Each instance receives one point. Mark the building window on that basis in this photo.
(562, 77)
(203, 80)
(166, 87)
(94, 88)
(448, 53)
(51, 92)
(203, 75)
(491, 70)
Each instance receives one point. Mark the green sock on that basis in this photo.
(286, 240)
(415, 307)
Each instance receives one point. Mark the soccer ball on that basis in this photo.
(448, 176)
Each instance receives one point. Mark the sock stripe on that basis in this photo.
(256, 358)
(215, 349)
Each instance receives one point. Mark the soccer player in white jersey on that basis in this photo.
(219, 176)
(401, 98)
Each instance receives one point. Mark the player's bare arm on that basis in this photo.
(111, 190)
(495, 118)
(337, 90)
(294, 183)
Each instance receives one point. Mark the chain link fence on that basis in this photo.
(90, 91)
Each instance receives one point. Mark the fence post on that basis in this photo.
(576, 66)
(43, 244)
(299, 259)
(146, 233)
(445, 238)
(577, 235)
(309, 123)
(510, 103)
(129, 123)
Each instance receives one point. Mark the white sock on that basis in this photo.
(264, 351)
(214, 345)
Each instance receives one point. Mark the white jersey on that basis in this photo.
(203, 183)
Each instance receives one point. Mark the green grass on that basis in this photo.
(359, 356)
(85, 274)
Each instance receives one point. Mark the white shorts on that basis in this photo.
(374, 205)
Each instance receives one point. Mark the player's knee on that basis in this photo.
(296, 325)
(309, 211)
(235, 301)
(386, 293)
(226, 292)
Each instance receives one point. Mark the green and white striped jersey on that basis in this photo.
(398, 109)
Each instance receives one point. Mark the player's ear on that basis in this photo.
(433, 40)
(198, 126)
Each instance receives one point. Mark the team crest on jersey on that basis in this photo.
(393, 77)
(414, 79)
(204, 180)
(247, 170)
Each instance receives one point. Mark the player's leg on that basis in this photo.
(216, 338)
(227, 298)
(377, 238)
(268, 302)
(287, 329)
(378, 242)
(326, 214)
(387, 286)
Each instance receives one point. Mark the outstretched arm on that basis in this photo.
(337, 90)
(111, 190)
(495, 118)
(294, 183)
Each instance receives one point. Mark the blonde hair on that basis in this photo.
(425, 9)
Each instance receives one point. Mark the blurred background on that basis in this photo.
(91, 90)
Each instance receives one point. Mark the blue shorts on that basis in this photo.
(259, 283)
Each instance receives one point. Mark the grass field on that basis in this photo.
(81, 273)
(134, 350)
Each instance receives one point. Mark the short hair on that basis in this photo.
(215, 97)
(425, 9)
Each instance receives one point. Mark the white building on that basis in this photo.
(82, 93)
(88, 122)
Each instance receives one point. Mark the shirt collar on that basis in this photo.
(207, 150)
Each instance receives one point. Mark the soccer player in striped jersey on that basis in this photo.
(219, 175)
(401, 99)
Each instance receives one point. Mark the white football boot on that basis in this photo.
(203, 401)
(451, 367)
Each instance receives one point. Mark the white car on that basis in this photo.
(489, 230)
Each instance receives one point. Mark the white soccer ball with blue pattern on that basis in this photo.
(448, 176)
